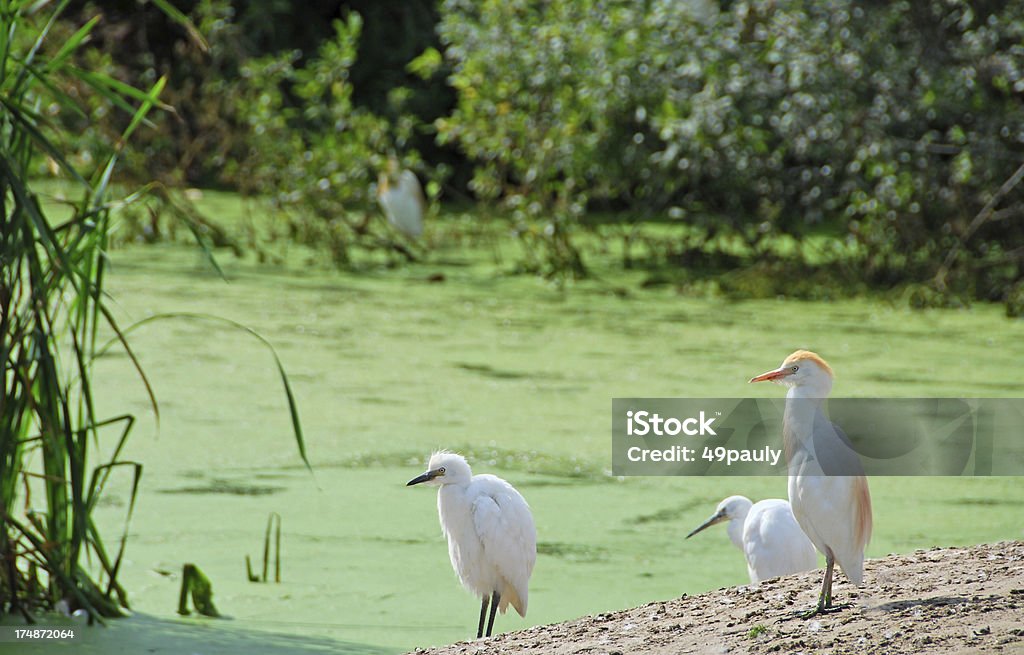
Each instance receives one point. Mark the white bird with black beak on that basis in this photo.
(492, 541)
(767, 533)
(830, 499)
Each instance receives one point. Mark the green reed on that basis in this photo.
(57, 453)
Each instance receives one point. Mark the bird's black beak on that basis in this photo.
(717, 517)
(426, 477)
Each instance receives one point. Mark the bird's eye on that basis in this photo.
(441, 470)
(795, 369)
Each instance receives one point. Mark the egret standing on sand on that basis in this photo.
(492, 541)
(401, 197)
(834, 510)
(767, 534)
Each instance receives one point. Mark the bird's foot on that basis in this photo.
(821, 608)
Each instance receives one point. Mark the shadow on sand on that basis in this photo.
(935, 601)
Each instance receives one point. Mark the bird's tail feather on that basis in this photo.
(511, 597)
(854, 570)
(862, 524)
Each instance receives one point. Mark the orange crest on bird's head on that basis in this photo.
(807, 355)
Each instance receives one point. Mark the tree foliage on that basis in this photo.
(891, 124)
(313, 155)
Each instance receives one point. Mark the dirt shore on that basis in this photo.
(942, 600)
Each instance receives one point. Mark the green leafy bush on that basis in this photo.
(313, 155)
(540, 90)
(889, 125)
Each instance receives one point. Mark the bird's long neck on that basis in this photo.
(803, 406)
(735, 530)
(451, 503)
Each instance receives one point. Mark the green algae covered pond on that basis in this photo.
(387, 366)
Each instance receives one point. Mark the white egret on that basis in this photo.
(401, 197)
(768, 535)
(492, 541)
(833, 510)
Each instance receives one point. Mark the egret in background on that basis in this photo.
(401, 197)
(768, 535)
(492, 541)
(833, 510)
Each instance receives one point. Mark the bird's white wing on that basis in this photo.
(409, 183)
(505, 527)
(835, 512)
(773, 542)
(404, 206)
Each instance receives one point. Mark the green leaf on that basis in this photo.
(71, 44)
(426, 64)
(184, 21)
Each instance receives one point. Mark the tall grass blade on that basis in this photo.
(184, 21)
(293, 408)
(52, 314)
(18, 113)
(71, 45)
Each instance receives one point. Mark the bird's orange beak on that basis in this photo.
(775, 374)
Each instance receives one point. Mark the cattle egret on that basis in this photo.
(833, 510)
(401, 197)
(492, 541)
(767, 534)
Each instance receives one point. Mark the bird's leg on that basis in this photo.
(825, 596)
(825, 602)
(483, 613)
(494, 608)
